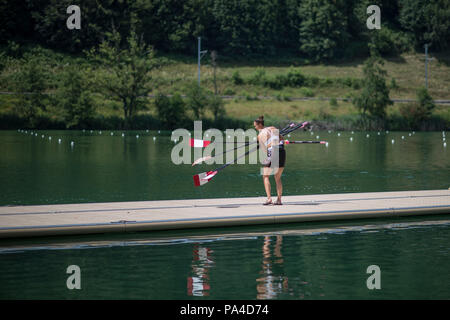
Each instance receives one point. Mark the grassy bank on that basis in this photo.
(247, 82)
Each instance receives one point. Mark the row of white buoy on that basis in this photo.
(112, 133)
(176, 140)
(72, 143)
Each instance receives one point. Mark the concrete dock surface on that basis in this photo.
(85, 218)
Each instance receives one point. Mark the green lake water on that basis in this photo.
(299, 261)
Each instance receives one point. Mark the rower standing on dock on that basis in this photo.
(270, 139)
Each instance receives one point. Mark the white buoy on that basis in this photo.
(443, 139)
(351, 138)
(50, 138)
(100, 132)
(123, 134)
(154, 138)
(414, 132)
(367, 135)
(42, 136)
(326, 144)
(445, 144)
(409, 134)
(84, 130)
(159, 131)
(59, 140)
(317, 137)
(403, 137)
(329, 131)
(112, 133)
(379, 133)
(137, 136)
(289, 135)
(353, 132)
(91, 131)
(72, 143)
(387, 131)
(339, 134)
(392, 141)
(146, 130)
(35, 134)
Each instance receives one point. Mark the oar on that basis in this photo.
(204, 177)
(292, 142)
(291, 127)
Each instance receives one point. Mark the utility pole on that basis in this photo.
(214, 64)
(426, 65)
(200, 54)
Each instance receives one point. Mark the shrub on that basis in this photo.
(276, 83)
(236, 78)
(295, 78)
(417, 112)
(393, 84)
(258, 77)
(229, 92)
(333, 102)
(311, 81)
(307, 92)
(171, 111)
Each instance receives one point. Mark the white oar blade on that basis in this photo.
(197, 143)
(200, 160)
(202, 178)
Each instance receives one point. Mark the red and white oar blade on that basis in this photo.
(197, 143)
(204, 177)
(200, 160)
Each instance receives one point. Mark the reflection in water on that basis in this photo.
(270, 284)
(307, 261)
(198, 283)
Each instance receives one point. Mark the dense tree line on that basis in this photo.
(317, 30)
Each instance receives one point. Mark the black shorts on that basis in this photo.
(281, 158)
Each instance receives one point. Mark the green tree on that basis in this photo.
(97, 19)
(30, 83)
(323, 28)
(171, 111)
(74, 97)
(247, 26)
(216, 105)
(128, 71)
(427, 20)
(374, 97)
(418, 112)
(196, 100)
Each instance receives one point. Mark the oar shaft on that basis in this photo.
(290, 127)
(231, 162)
(298, 142)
